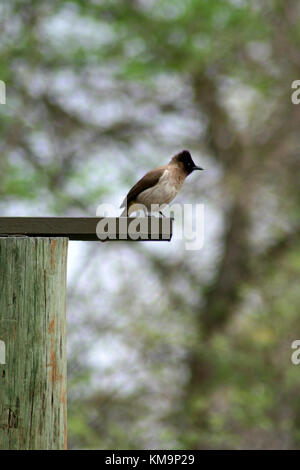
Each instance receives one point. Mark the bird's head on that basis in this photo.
(184, 160)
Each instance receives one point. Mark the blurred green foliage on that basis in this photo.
(167, 348)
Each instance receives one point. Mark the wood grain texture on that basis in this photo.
(33, 408)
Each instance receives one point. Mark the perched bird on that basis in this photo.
(161, 185)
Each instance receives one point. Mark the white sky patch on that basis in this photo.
(68, 27)
(259, 51)
(239, 99)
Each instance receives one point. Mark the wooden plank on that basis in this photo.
(85, 228)
(33, 409)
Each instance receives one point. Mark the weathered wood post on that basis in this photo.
(33, 261)
(33, 408)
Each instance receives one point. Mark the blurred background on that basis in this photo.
(167, 348)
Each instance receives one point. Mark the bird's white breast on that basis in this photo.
(163, 192)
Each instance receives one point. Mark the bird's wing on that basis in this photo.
(150, 179)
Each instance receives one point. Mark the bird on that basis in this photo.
(160, 185)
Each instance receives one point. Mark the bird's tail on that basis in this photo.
(128, 209)
(124, 213)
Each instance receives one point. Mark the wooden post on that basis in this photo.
(33, 413)
(33, 260)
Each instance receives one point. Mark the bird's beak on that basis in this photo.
(197, 168)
